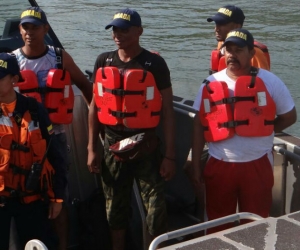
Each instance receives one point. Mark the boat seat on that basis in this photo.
(11, 28)
(11, 38)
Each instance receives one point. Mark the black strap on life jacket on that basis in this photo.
(59, 57)
(13, 193)
(22, 105)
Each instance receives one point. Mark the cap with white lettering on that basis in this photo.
(8, 65)
(124, 19)
(240, 37)
(227, 14)
(34, 15)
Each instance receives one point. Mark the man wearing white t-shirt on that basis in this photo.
(238, 124)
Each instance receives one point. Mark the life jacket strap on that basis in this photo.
(234, 99)
(17, 170)
(269, 122)
(121, 92)
(17, 146)
(50, 110)
(232, 124)
(120, 114)
(18, 193)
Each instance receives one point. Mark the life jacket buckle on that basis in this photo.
(229, 124)
(230, 100)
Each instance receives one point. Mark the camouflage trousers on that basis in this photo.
(117, 180)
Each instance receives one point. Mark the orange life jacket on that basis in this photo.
(253, 109)
(264, 49)
(29, 85)
(59, 98)
(20, 147)
(59, 95)
(261, 58)
(135, 102)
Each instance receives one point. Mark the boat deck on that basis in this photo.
(279, 233)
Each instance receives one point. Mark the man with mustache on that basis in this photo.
(227, 18)
(239, 110)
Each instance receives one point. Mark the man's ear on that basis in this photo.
(46, 27)
(141, 30)
(15, 79)
(252, 52)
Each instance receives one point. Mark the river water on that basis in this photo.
(178, 30)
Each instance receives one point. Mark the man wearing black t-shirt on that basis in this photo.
(132, 91)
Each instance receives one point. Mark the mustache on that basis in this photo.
(233, 60)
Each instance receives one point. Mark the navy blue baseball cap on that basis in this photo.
(227, 14)
(125, 18)
(8, 65)
(240, 37)
(34, 15)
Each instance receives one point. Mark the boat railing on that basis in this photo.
(202, 226)
(286, 153)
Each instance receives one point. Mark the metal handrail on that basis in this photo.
(287, 153)
(202, 226)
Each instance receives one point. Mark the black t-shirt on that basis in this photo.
(145, 60)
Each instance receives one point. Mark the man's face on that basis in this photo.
(6, 85)
(33, 34)
(221, 30)
(237, 58)
(126, 38)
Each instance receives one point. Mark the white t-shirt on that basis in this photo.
(244, 149)
(40, 66)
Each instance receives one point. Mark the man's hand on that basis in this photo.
(54, 209)
(93, 162)
(167, 169)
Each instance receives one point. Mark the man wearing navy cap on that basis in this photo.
(227, 18)
(238, 120)
(231, 17)
(34, 15)
(26, 142)
(132, 92)
(125, 19)
(40, 58)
